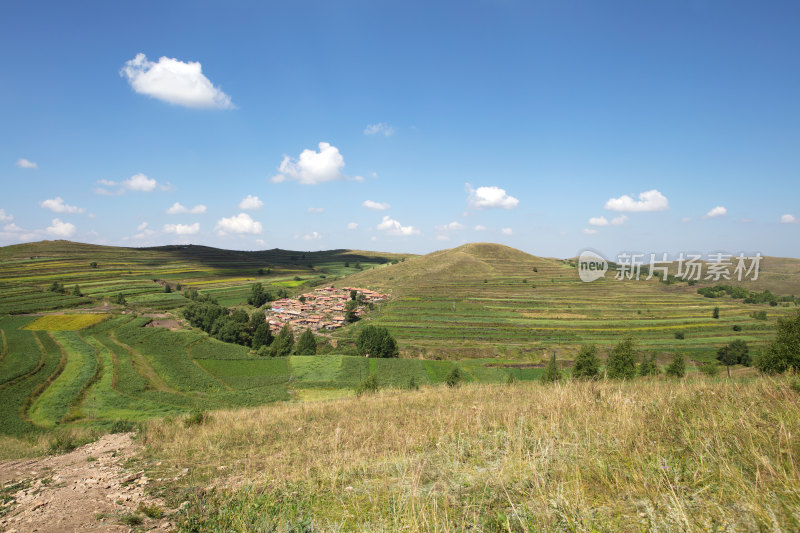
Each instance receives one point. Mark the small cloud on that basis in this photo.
(57, 205)
(648, 201)
(352, 225)
(251, 203)
(241, 223)
(393, 227)
(182, 229)
(174, 82)
(316, 209)
(12, 228)
(61, 229)
(452, 226)
(589, 231)
(24, 163)
(442, 238)
(507, 231)
(603, 221)
(5, 217)
(137, 182)
(178, 209)
(718, 211)
(312, 168)
(141, 226)
(381, 128)
(480, 227)
(358, 178)
(686, 219)
(789, 219)
(490, 197)
(261, 242)
(313, 236)
(375, 206)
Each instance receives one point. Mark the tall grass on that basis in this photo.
(706, 455)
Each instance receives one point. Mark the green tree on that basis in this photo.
(120, 299)
(715, 313)
(258, 296)
(587, 365)
(649, 366)
(551, 372)
(454, 378)
(622, 360)
(257, 318)
(283, 343)
(735, 353)
(262, 337)
(376, 341)
(677, 368)
(167, 288)
(350, 314)
(353, 294)
(306, 344)
(93, 264)
(783, 353)
(76, 290)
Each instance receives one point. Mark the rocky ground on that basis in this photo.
(86, 489)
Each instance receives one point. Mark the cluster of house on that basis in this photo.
(324, 308)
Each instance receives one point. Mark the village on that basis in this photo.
(322, 309)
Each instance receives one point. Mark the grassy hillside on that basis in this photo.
(642, 456)
(484, 300)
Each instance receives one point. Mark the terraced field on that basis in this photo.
(114, 368)
(489, 300)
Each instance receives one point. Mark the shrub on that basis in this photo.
(737, 327)
(412, 384)
(677, 368)
(622, 360)
(649, 366)
(551, 372)
(376, 341)
(680, 335)
(367, 385)
(151, 511)
(454, 378)
(784, 352)
(197, 418)
(710, 368)
(307, 344)
(587, 365)
(122, 426)
(715, 313)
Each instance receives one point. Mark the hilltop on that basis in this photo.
(483, 299)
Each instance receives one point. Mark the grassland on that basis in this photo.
(693, 455)
(486, 300)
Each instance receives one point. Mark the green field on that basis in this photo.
(492, 312)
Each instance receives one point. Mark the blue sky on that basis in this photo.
(403, 126)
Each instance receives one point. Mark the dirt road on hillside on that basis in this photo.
(86, 489)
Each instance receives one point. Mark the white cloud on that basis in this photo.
(241, 223)
(352, 225)
(178, 209)
(24, 163)
(686, 219)
(175, 82)
(313, 236)
(4, 217)
(507, 231)
(182, 229)
(381, 128)
(789, 219)
(442, 238)
(12, 228)
(137, 182)
(141, 226)
(251, 202)
(603, 221)
(358, 178)
(393, 227)
(452, 226)
(589, 231)
(480, 227)
(718, 211)
(375, 206)
(316, 209)
(312, 167)
(648, 201)
(61, 229)
(488, 197)
(57, 205)
(261, 242)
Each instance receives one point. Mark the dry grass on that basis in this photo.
(642, 456)
(66, 322)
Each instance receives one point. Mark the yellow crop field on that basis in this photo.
(65, 322)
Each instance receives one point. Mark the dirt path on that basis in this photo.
(86, 489)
